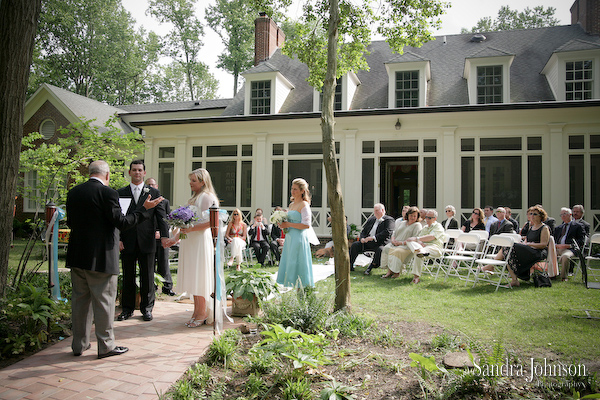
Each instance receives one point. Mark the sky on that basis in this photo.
(461, 14)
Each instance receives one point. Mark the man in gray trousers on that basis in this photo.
(94, 214)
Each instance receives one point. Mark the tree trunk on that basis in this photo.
(18, 26)
(334, 188)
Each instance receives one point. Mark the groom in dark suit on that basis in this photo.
(139, 244)
(375, 234)
(93, 214)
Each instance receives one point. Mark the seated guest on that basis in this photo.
(488, 217)
(502, 225)
(394, 261)
(374, 235)
(450, 222)
(402, 217)
(533, 249)
(428, 243)
(578, 212)
(235, 235)
(259, 234)
(475, 222)
(549, 223)
(564, 236)
(327, 251)
(276, 233)
(511, 219)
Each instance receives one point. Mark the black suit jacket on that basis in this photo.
(574, 232)
(515, 224)
(453, 223)
(384, 230)
(94, 214)
(144, 233)
(585, 225)
(501, 227)
(253, 231)
(275, 232)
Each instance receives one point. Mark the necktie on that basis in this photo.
(258, 233)
(562, 234)
(136, 194)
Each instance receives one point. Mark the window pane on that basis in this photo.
(534, 180)
(534, 143)
(166, 171)
(277, 185)
(407, 89)
(246, 150)
(368, 176)
(166, 152)
(197, 151)
(489, 84)
(260, 97)
(429, 182)
(221, 151)
(595, 178)
(223, 175)
(312, 172)
(467, 186)
(594, 141)
(578, 80)
(576, 193)
(399, 146)
(196, 165)
(429, 145)
(305, 148)
(467, 144)
(498, 176)
(576, 142)
(368, 147)
(504, 143)
(278, 149)
(246, 188)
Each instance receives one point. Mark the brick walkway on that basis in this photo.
(160, 351)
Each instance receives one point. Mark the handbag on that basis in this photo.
(541, 279)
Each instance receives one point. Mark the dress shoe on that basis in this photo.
(124, 315)
(117, 351)
(368, 271)
(147, 316)
(421, 255)
(169, 292)
(81, 352)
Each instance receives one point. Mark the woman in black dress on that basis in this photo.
(533, 249)
(475, 222)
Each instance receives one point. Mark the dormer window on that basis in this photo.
(578, 80)
(344, 93)
(408, 76)
(489, 84)
(407, 89)
(260, 97)
(488, 77)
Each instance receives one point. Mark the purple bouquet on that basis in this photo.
(183, 217)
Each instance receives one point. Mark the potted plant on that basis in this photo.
(246, 287)
(353, 233)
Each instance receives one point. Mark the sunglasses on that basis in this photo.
(429, 217)
(448, 210)
(477, 213)
(236, 214)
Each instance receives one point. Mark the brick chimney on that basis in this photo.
(268, 37)
(586, 13)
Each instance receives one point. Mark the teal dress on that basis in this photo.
(295, 266)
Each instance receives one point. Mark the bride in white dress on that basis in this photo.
(195, 274)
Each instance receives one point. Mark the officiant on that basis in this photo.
(139, 243)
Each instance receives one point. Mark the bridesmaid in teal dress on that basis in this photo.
(295, 266)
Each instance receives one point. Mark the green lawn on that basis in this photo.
(532, 321)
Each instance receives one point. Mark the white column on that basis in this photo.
(555, 187)
(261, 181)
(350, 175)
(183, 165)
(448, 160)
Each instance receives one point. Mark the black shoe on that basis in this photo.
(124, 315)
(421, 255)
(147, 316)
(80, 353)
(117, 351)
(169, 292)
(352, 269)
(368, 271)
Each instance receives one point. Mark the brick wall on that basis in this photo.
(587, 13)
(267, 38)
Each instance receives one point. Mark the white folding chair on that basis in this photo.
(591, 267)
(495, 244)
(449, 243)
(516, 236)
(462, 259)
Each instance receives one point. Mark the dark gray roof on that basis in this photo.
(531, 48)
(87, 108)
(176, 106)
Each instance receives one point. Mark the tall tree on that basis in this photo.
(18, 25)
(184, 41)
(538, 17)
(171, 83)
(233, 21)
(347, 24)
(90, 47)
